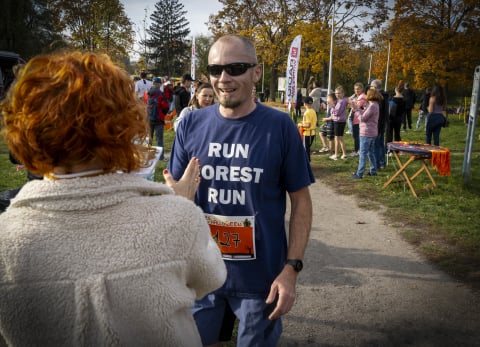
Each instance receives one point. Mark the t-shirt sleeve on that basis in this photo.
(178, 156)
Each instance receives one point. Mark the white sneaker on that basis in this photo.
(354, 154)
(333, 157)
(347, 132)
(324, 149)
(344, 157)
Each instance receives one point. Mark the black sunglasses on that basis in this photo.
(234, 69)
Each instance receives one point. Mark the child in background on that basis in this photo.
(308, 124)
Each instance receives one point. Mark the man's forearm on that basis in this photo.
(300, 223)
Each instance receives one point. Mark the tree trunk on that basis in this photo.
(273, 82)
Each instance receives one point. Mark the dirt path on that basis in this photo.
(362, 285)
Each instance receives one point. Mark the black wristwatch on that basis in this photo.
(296, 263)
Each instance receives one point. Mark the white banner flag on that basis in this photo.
(192, 66)
(292, 70)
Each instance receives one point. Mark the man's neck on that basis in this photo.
(238, 112)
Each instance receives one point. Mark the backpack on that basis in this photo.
(157, 106)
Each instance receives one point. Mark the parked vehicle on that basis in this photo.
(7, 61)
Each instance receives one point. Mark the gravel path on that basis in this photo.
(362, 285)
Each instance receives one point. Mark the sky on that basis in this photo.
(197, 12)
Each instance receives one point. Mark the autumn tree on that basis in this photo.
(274, 24)
(433, 41)
(168, 38)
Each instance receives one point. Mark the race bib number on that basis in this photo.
(235, 236)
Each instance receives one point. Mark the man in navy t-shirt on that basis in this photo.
(251, 157)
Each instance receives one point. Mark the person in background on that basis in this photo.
(396, 114)
(267, 93)
(182, 93)
(252, 158)
(254, 94)
(203, 78)
(435, 119)
(409, 97)
(309, 125)
(316, 95)
(338, 115)
(326, 133)
(88, 256)
(158, 93)
(350, 117)
(168, 90)
(142, 86)
(383, 125)
(298, 105)
(423, 112)
(368, 133)
(357, 105)
(203, 97)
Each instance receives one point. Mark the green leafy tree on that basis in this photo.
(168, 38)
(97, 25)
(202, 47)
(27, 27)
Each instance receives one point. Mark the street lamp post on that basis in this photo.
(388, 61)
(370, 69)
(331, 57)
(263, 76)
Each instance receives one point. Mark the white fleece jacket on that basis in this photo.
(111, 260)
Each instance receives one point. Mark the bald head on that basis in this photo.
(245, 47)
(377, 84)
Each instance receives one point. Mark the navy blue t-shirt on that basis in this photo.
(247, 167)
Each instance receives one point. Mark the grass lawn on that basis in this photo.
(443, 223)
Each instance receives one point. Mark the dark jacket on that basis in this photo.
(299, 103)
(396, 109)
(182, 98)
(383, 112)
(409, 98)
(424, 102)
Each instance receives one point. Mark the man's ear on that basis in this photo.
(258, 73)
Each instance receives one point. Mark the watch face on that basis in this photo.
(297, 264)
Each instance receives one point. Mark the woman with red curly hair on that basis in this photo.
(95, 254)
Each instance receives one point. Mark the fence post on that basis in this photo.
(467, 159)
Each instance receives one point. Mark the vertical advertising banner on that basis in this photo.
(292, 70)
(192, 65)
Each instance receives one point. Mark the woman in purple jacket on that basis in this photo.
(368, 133)
(338, 114)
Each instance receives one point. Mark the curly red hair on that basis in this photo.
(71, 108)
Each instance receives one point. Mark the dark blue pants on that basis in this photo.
(435, 123)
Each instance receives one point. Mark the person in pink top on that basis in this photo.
(338, 114)
(358, 103)
(368, 133)
(435, 118)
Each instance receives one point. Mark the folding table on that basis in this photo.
(438, 157)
